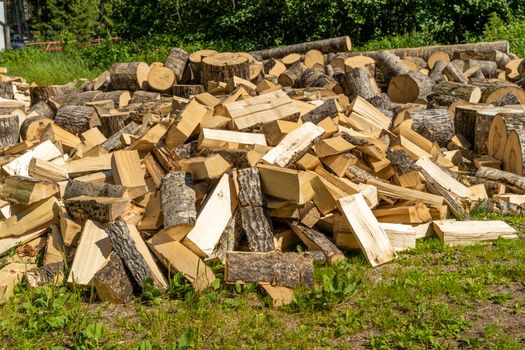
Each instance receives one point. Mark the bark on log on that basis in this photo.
(502, 124)
(124, 246)
(7, 107)
(494, 89)
(467, 92)
(112, 283)
(120, 98)
(409, 87)
(195, 63)
(465, 122)
(129, 76)
(381, 101)
(292, 76)
(33, 127)
(41, 109)
(436, 100)
(257, 228)
(144, 96)
(77, 119)
(75, 188)
(359, 83)
(223, 67)
(436, 73)
(316, 78)
(8, 130)
(280, 269)
(178, 200)
(176, 61)
(113, 142)
(488, 68)
(315, 240)
(341, 44)
(113, 123)
(390, 65)
(514, 154)
(434, 124)
(454, 73)
(75, 98)
(326, 110)
(43, 93)
(187, 91)
(101, 209)
(51, 273)
(250, 192)
(502, 176)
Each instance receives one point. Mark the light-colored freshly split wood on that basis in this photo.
(128, 172)
(34, 217)
(402, 237)
(286, 184)
(468, 232)
(445, 180)
(315, 240)
(26, 190)
(189, 119)
(227, 139)
(206, 168)
(10, 276)
(372, 239)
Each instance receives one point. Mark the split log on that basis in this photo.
(467, 92)
(112, 283)
(77, 119)
(316, 78)
(26, 190)
(178, 203)
(8, 130)
(113, 123)
(484, 118)
(436, 73)
(103, 81)
(341, 44)
(494, 89)
(454, 73)
(47, 171)
(409, 87)
(75, 188)
(48, 274)
(37, 216)
(114, 142)
(195, 62)
(488, 68)
(41, 109)
(390, 65)
(465, 122)
(514, 154)
(315, 240)
(292, 76)
(129, 76)
(277, 269)
(176, 61)
(467, 232)
(125, 248)
(433, 124)
(381, 101)
(101, 209)
(502, 176)
(43, 93)
(328, 109)
(223, 66)
(502, 124)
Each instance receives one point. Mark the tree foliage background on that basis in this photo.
(263, 23)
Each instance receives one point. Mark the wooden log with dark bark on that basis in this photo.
(223, 66)
(77, 119)
(178, 203)
(8, 130)
(75, 98)
(144, 96)
(494, 89)
(125, 248)
(341, 44)
(390, 65)
(41, 109)
(467, 92)
(129, 76)
(381, 101)
(488, 68)
(315, 240)
(43, 93)
(359, 83)
(112, 282)
(176, 61)
(502, 176)
(195, 63)
(47, 274)
(101, 209)
(433, 124)
(454, 73)
(279, 269)
(120, 98)
(313, 77)
(465, 121)
(75, 188)
(33, 127)
(409, 87)
(113, 142)
(326, 110)
(436, 73)
(292, 76)
(112, 123)
(187, 91)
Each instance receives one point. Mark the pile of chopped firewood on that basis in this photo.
(241, 157)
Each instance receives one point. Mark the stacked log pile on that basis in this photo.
(241, 158)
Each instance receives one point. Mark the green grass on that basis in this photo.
(432, 297)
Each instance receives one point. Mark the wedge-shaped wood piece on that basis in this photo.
(124, 246)
(294, 145)
(189, 120)
(212, 219)
(372, 239)
(210, 138)
(147, 142)
(177, 200)
(20, 166)
(324, 199)
(112, 282)
(128, 172)
(375, 119)
(467, 232)
(442, 178)
(47, 171)
(257, 228)
(249, 182)
(114, 142)
(277, 269)
(206, 168)
(280, 295)
(332, 146)
(36, 216)
(101, 209)
(55, 249)
(25, 190)
(10, 275)
(402, 237)
(327, 109)
(286, 184)
(159, 279)
(275, 131)
(176, 257)
(76, 188)
(315, 240)
(92, 251)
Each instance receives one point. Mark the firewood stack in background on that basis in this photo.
(241, 157)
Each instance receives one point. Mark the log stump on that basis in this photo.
(409, 87)
(195, 63)
(502, 124)
(223, 66)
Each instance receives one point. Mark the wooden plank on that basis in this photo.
(210, 138)
(467, 232)
(188, 122)
(9, 243)
(372, 239)
(92, 251)
(88, 165)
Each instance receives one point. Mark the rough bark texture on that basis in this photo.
(238, 158)
(514, 155)
(75, 99)
(129, 76)
(436, 100)
(125, 247)
(401, 162)
(113, 123)
(230, 237)
(488, 68)
(8, 130)
(456, 209)
(77, 119)
(43, 93)
(454, 73)
(96, 208)
(51, 273)
(75, 188)
(112, 283)
(341, 44)
(223, 67)
(176, 61)
(178, 199)
(390, 65)
(327, 109)
(359, 84)
(436, 73)
(32, 128)
(467, 92)
(434, 124)
(187, 91)
(292, 76)
(120, 98)
(258, 229)
(315, 240)
(490, 87)
(144, 96)
(250, 193)
(280, 269)
(381, 101)
(113, 142)
(357, 174)
(465, 123)
(42, 109)
(507, 100)
(503, 176)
